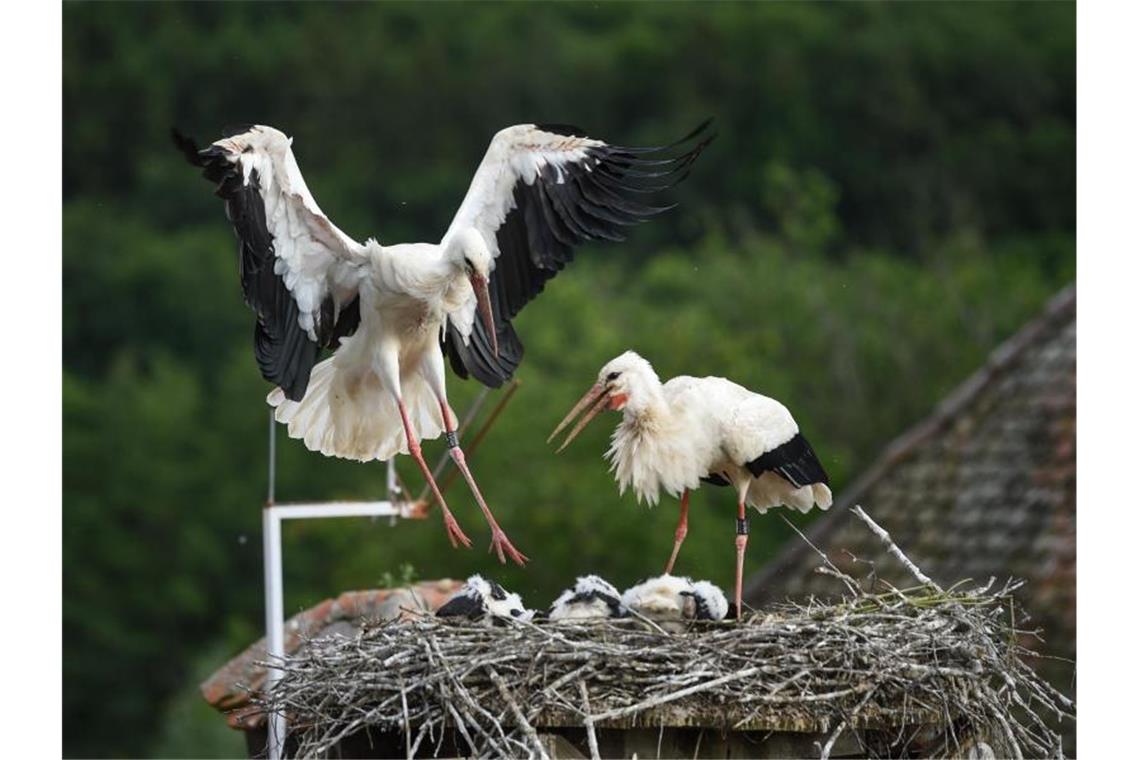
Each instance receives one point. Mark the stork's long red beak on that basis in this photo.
(483, 299)
(595, 399)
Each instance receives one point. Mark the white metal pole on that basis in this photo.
(274, 596)
(274, 623)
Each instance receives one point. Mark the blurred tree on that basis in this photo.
(891, 193)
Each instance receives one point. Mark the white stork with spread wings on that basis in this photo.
(675, 435)
(390, 312)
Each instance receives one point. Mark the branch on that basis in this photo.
(886, 539)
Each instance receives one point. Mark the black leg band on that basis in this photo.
(742, 526)
(452, 440)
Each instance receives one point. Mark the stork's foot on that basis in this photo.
(455, 534)
(503, 547)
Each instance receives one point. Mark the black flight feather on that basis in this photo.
(462, 605)
(577, 202)
(794, 461)
(284, 352)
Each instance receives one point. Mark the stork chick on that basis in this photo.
(591, 597)
(689, 430)
(481, 599)
(670, 601)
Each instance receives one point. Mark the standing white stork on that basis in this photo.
(390, 312)
(674, 435)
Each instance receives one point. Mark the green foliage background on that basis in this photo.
(891, 194)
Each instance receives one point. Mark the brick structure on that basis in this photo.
(230, 687)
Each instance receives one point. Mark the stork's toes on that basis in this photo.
(455, 534)
(502, 546)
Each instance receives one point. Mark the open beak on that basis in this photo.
(593, 402)
(483, 299)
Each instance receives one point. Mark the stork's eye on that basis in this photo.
(468, 265)
(613, 376)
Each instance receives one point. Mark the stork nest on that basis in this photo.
(892, 665)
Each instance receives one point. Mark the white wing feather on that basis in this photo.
(313, 257)
(515, 153)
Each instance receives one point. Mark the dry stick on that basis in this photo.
(407, 721)
(634, 613)
(666, 698)
(523, 723)
(886, 539)
(825, 753)
(429, 499)
(591, 734)
(835, 572)
(419, 738)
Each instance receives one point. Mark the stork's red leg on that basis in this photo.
(454, 532)
(682, 530)
(741, 544)
(500, 544)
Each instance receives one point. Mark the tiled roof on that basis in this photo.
(229, 688)
(984, 487)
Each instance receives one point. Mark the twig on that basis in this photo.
(591, 734)
(851, 584)
(886, 539)
(523, 723)
(666, 698)
(407, 723)
(825, 752)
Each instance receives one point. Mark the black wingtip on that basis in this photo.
(186, 146)
(700, 128)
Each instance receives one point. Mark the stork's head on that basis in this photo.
(469, 254)
(627, 381)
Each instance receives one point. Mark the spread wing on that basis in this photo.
(299, 273)
(540, 191)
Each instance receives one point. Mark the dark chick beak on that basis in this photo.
(483, 299)
(595, 399)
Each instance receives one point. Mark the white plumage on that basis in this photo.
(482, 599)
(674, 435)
(672, 599)
(390, 312)
(711, 601)
(590, 597)
(661, 598)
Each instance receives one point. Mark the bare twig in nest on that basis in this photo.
(520, 719)
(591, 734)
(895, 550)
(828, 566)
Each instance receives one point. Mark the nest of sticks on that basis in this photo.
(892, 664)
